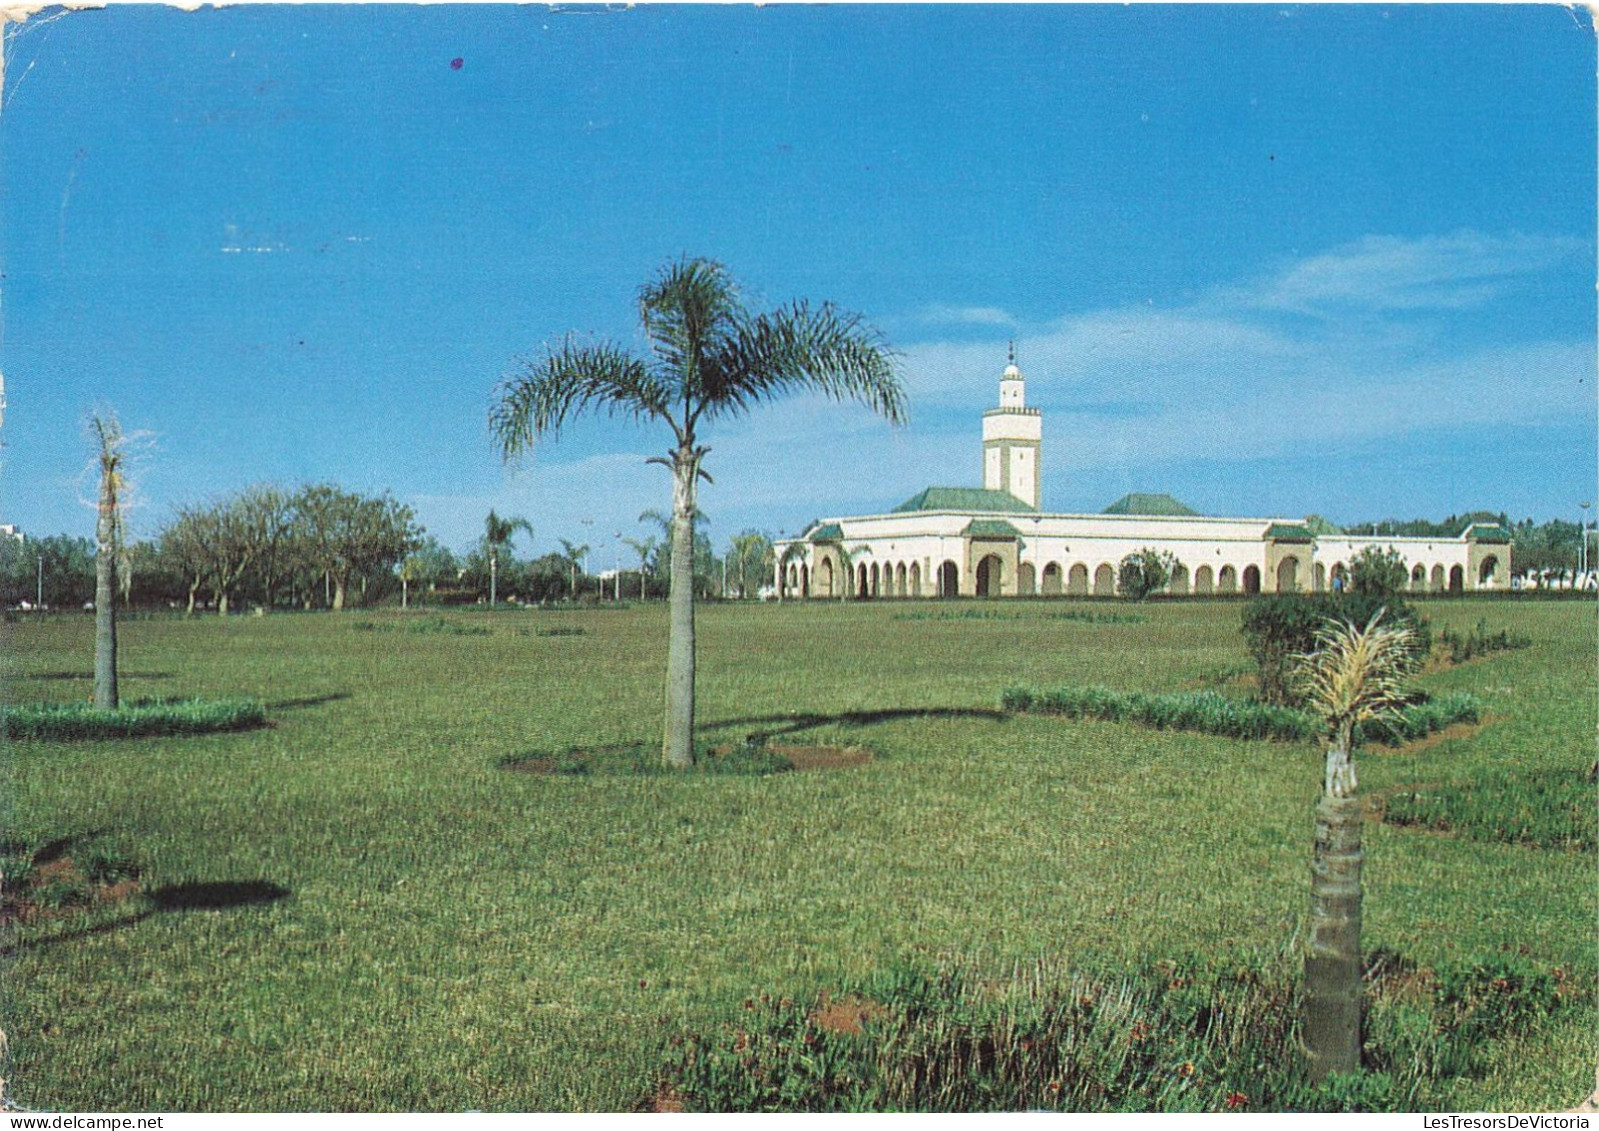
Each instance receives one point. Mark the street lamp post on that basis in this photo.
(40, 594)
(618, 545)
(1582, 540)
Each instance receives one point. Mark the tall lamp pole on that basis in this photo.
(618, 546)
(40, 594)
(1582, 539)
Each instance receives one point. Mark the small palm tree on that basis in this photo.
(645, 551)
(1352, 678)
(709, 358)
(497, 534)
(111, 445)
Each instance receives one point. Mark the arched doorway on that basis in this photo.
(877, 588)
(1204, 581)
(1418, 577)
(1024, 579)
(1489, 572)
(916, 579)
(949, 580)
(1077, 582)
(824, 578)
(1457, 579)
(1340, 577)
(1228, 581)
(1105, 581)
(1321, 577)
(1251, 579)
(1288, 575)
(899, 580)
(863, 581)
(1052, 579)
(1178, 586)
(1438, 578)
(990, 575)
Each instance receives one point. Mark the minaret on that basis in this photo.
(1011, 437)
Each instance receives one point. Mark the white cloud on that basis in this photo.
(966, 315)
(1389, 273)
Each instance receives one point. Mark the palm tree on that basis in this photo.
(709, 358)
(574, 554)
(645, 551)
(1352, 678)
(497, 533)
(109, 538)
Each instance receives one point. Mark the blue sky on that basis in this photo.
(1272, 260)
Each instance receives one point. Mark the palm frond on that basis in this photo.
(1356, 675)
(535, 403)
(690, 311)
(804, 348)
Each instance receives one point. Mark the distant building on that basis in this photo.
(996, 541)
(7, 530)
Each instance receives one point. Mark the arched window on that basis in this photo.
(1204, 580)
(1077, 582)
(1251, 579)
(1052, 579)
(1418, 577)
(1489, 571)
(1105, 581)
(1228, 581)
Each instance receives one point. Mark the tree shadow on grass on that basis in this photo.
(775, 725)
(89, 676)
(215, 895)
(307, 701)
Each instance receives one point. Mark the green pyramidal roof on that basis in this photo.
(1148, 505)
(990, 528)
(964, 499)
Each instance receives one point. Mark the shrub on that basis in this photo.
(1552, 809)
(1210, 712)
(139, 719)
(1145, 571)
(1189, 1034)
(1479, 641)
(1278, 628)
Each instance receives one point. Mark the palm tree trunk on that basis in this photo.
(677, 746)
(1333, 963)
(105, 598)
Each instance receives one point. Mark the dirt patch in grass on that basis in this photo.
(58, 887)
(1449, 733)
(800, 758)
(823, 757)
(846, 1016)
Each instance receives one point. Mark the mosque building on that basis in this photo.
(998, 541)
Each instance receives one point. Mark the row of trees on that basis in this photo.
(320, 547)
(312, 547)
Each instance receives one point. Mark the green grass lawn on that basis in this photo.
(459, 936)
